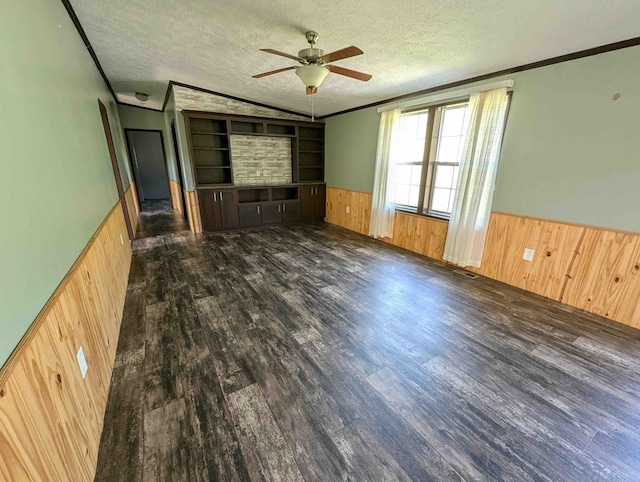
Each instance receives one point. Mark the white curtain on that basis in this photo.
(382, 206)
(472, 203)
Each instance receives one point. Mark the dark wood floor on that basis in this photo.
(157, 218)
(307, 352)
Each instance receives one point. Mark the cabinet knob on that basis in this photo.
(258, 208)
(284, 207)
(279, 206)
(215, 199)
(220, 197)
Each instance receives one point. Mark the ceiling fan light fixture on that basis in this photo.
(312, 75)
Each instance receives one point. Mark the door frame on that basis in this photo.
(134, 165)
(174, 137)
(116, 169)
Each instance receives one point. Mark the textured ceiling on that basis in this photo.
(408, 45)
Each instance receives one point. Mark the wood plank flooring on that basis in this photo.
(157, 218)
(308, 352)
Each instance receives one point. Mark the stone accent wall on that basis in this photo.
(261, 160)
(189, 99)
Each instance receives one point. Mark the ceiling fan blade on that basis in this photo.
(349, 73)
(257, 76)
(283, 54)
(342, 54)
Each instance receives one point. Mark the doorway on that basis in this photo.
(116, 168)
(148, 160)
(179, 166)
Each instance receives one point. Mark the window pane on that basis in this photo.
(416, 174)
(449, 149)
(413, 126)
(444, 176)
(453, 121)
(402, 194)
(403, 174)
(410, 150)
(422, 124)
(414, 192)
(408, 157)
(456, 170)
(440, 201)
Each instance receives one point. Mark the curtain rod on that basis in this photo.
(445, 96)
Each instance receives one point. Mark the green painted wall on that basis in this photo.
(570, 151)
(172, 115)
(350, 149)
(57, 182)
(136, 118)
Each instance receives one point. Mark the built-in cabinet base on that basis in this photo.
(243, 207)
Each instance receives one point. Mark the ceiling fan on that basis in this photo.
(315, 62)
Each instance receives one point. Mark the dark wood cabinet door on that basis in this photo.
(307, 203)
(291, 211)
(320, 201)
(210, 210)
(272, 212)
(229, 209)
(250, 215)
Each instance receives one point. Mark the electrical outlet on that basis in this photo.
(82, 362)
(121, 239)
(258, 173)
(528, 254)
(265, 173)
(348, 209)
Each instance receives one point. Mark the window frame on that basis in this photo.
(429, 157)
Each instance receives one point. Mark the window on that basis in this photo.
(427, 158)
(408, 159)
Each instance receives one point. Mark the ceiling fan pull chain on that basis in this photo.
(313, 119)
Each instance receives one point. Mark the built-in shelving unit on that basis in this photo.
(210, 153)
(224, 205)
(209, 134)
(310, 154)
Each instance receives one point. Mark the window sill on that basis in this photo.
(429, 215)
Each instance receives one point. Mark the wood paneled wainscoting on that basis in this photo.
(133, 205)
(174, 191)
(193, 211)
(50, 417)
(595, 269)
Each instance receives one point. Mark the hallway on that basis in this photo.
(157, 218)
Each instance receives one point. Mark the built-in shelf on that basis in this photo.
(209, 135)
(284, 193)
(255, 195)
